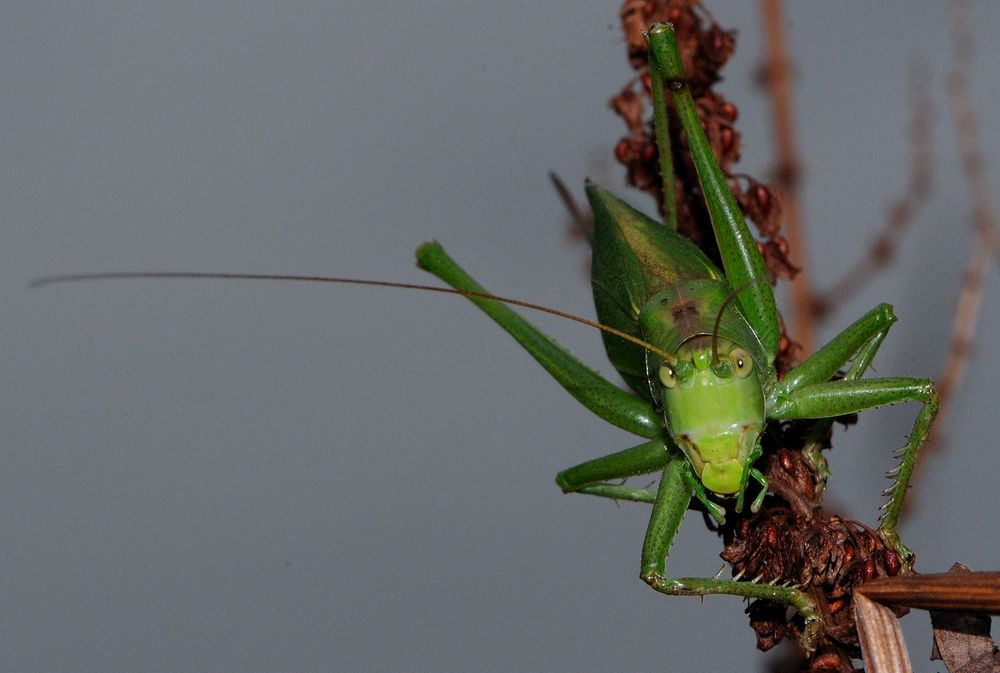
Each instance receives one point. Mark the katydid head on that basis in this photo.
(712, 394)
(714, 405)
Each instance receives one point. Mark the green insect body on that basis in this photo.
(656, 285)
(704, 383)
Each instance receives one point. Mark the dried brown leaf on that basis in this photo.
(881, 638)
(962, 639)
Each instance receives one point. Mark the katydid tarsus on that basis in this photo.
(700, 361)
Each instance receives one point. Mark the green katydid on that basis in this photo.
(703, 397)
(698, 353)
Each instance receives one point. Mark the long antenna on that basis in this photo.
(718, 317)
(119, 275)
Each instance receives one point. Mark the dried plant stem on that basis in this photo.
(881, 638)
(971, 591)
(983, 213)
(960, 602)
(778, 80)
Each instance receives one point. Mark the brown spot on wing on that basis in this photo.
(685, 315)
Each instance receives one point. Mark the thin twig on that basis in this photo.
(960, 602)
(583, 221)
(984, 216)
(778, 81)
(971, 592)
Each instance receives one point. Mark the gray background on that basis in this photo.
(263, 477)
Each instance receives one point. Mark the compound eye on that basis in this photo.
(668, 377)
(742, 362)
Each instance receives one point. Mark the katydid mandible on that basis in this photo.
(697, 346)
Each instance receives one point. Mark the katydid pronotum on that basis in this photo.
(699, 358)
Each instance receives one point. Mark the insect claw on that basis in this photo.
(737, 576)
(718, 575)
(757, 579)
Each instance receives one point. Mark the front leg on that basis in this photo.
(836, 398)
(857, 344)
(672, 500)
(592, 476)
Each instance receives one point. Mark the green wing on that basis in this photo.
(635, 258)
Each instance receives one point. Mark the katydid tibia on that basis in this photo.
(697, 346)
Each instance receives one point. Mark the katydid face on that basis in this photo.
(715, 411)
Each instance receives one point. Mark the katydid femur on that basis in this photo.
(700, 359)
